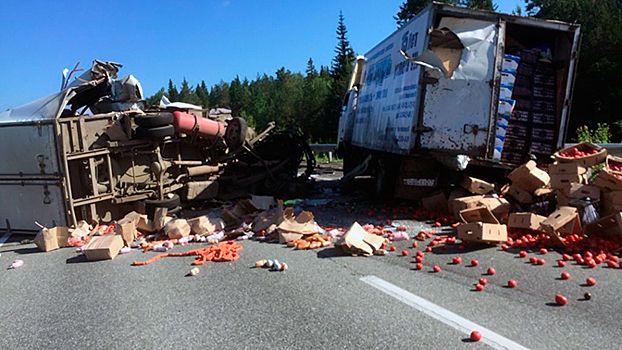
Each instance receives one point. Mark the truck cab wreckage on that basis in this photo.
(94, 151)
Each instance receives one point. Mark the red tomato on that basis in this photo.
(474, 262)
(512, 283)
(420, 253)
(591, 264)
(504, 247)
(561, 300)
(479, 287)
(415, 244)
(543, 251)
(428, 249)
(437, 224)
(483, 281)
(491, 271)
(533, 260)
(419, 266)
(565, 276)
(476, 336)
(611, 264)
(561, 263)
(567, 257)
(541, 261)
(436, 268)
(522, 254)
(404, 252)
(457, 260)
(393, 248)
(590, 281)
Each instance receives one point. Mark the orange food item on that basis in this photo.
(224, 251)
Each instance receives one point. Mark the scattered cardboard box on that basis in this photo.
(577, 191)
(482, 232)
(435, 202)
(205, 226)
(567, 169)
(103, 247)
(608, 181)
(49, 239)
(518, 193)
(141, 222)
(608, 225)
(127, 231)
(476, 186)
(564, 220)
(177, 228)
(611, 202)
(459, 204)
(529, 177)
(525, 220)
(357, 241)
(561, 181)
(500, 207)
(481, 213)
(82, 229)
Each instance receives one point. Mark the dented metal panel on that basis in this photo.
(458, 109)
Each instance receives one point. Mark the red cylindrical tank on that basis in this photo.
(204, 127)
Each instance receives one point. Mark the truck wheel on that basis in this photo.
(153, 120)
(170, 203)
(157, 132)
(235, 135)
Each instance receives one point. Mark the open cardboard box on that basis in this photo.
(587, 161)
(49, 239)
(518, 193)
(612, 202)
(563, 221)
(459, 204)
(561, 181)
(608, 225)
(608, 181)
(578, 191)
(480, 225)
(500, 207)
(476, 186)
(529, 177)
(357, 241)
(525, 220)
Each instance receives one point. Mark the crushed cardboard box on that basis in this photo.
(608, 225)
(608, 181)
(525, 220)
(563, 221)
(177, 228)
(205, 226)
(160, 219)
(357, 241)
(292, 228)
(500, 207)
(141, 222)
(529, 177)
(480, 225)
(518, 193)
(103, 247)
(578, 191)
(459, 204)
(476, 186)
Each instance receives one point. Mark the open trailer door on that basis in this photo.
(458, 112)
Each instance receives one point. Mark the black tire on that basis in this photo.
(154, 120)
(235, 135)
(174, 210)
(158, 132)
(169, 203)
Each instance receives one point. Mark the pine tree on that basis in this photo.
(202, 94)
(173, 95)
(311, 71)
(187, 95)
(340, 71)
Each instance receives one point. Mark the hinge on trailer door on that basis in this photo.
(473, 129)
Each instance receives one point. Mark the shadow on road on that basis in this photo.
(77, 259)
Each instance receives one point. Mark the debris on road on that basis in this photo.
(16, 264)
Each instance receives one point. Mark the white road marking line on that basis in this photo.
(4, 238)
(461, 324)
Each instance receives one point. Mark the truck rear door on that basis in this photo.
(458, 113)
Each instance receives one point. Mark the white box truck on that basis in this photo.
(458, 89)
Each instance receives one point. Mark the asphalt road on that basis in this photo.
(57, 300)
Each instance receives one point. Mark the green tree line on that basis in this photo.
(310, 102)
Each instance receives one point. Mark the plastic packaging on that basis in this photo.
(16, 264)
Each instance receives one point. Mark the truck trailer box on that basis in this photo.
(433, 88)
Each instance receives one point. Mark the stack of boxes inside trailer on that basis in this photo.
(531, 128)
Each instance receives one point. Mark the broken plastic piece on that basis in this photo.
(16, 264)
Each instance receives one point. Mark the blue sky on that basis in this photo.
(158, 40)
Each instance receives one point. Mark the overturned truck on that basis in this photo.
(93, 152)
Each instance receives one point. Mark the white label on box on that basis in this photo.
(420, 182)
